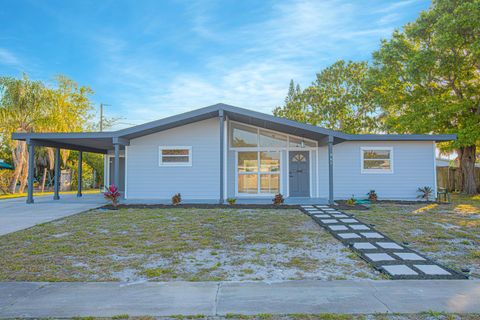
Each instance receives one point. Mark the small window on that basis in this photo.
(377, 160)
(175, 156)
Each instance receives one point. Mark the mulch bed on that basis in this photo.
(203, 206)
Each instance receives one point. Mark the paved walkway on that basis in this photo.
(393, 259)
(104, 299)
(16, 215)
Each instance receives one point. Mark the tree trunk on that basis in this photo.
(467, 156)
(24, 177)
(17, 157)
(44, 178)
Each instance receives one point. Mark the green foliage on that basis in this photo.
(339, 99)
(351, 201)
(231, 201)
(426, 77)
(425, 193)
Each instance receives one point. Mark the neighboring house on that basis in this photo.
(222, 151)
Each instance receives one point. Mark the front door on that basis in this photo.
(299, 173)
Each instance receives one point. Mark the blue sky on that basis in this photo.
(151, 59)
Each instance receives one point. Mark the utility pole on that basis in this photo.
(101, 115)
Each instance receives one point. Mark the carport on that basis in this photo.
(95, 142)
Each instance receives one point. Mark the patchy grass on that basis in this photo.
(449, 233)
(5, 196)
(178, 244)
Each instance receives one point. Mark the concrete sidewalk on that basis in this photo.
(16, 215)
(30, 299)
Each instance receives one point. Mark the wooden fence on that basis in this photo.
(451, 178)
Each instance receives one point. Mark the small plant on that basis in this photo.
(351, 201)
(111, 193)
(231, 201)
(176, 199)
(425, 193)
(278, 199)
(372, 196)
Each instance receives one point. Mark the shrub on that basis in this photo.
(425, 193)
(231, 201)
(351, 201)
(111, 193)
(372, 196)
(176, 199)
(278, 199)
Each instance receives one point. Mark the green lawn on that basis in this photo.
(178, 244)
(430, 315)
(4, 196)
(449, 233)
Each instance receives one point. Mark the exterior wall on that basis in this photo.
(413, 167)
(147, 180)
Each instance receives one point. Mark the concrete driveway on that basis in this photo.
(16, 215)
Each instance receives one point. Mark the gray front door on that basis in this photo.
(299, 173)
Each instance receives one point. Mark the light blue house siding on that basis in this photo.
(413, 167)
(146, 179)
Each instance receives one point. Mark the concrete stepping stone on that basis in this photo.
(363, 246)
(339, 215)
(358, 227)
(432, 270)
(389, 245)
(400, 270)
(335, 212)
(318, 206)
(337, 227)
(348, 235)
(371, 235)
(349, 220)
(379, 257)
(314, 211)
(322, 216)
(328, 221)
(328, 209)
(409, 256)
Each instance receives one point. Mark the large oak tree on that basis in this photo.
(427, 78)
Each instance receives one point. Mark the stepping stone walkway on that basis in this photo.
(384, 254)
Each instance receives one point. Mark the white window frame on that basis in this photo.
(174, 164)
(258, 173)
(376, 171)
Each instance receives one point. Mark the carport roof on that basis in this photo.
(101, 142)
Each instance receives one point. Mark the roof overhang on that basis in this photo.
(97, 142)
(101, 142)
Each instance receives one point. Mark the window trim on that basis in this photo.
(174, 164)
(376, 171)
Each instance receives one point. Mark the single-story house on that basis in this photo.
(222, 151)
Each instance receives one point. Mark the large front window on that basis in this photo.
(258, 172)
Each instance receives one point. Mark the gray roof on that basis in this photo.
(103, 141)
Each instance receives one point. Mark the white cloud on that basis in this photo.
(9, 58)
(294, 41)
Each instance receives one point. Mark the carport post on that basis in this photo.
(56, 180)
(79, 173)
(116, 166)
(330, 170)
(31, 158)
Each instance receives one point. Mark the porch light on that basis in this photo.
(302, 144)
